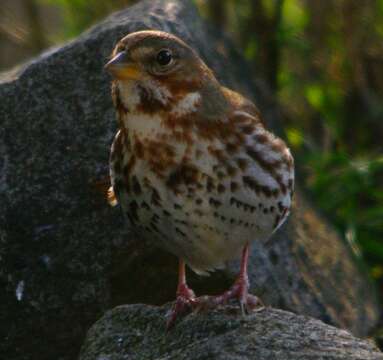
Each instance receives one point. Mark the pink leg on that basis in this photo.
(185, 297)
(239, 290)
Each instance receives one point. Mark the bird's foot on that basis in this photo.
(184, 303)
(238, 291)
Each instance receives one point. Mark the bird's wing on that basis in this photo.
(240, 103)
(262, 186)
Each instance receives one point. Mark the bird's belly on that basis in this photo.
(200, 238)
(206, 210)
(205, 228)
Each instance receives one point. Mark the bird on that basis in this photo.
(192, 164)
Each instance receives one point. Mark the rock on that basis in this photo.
(59, 239)
(137, 332)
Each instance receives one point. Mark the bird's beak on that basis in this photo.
(121, 67)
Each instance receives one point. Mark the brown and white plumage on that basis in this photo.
(192, 164)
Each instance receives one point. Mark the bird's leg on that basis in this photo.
(185, 297)
(239, 290)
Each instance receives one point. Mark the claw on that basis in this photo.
(180, 308)
(238, 291)
(187, 301)
(248, 303)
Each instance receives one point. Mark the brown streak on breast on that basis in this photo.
(156, 199)
(210, 185)
(118, 104)
(231, 170)
(242, 163)
(180, 126)
(232, 148)
(136, 187)
(247, 129)
(234, 186)
(138, 147)
(221, 188)
(217, 153)
(214, 202)
(160, 155)
(185, 174)
(149, 104)
(261, 138)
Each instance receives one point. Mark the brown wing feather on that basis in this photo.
(240, 103)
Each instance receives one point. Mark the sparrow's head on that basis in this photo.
(156, 55)
(157, 73)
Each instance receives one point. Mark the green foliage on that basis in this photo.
(348, 190)
(335, 115)
(295, 18)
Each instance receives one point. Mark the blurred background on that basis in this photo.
(322, 59)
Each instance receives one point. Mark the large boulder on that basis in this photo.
(65, 256)
(136, 332)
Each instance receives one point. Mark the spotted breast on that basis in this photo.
(199, 187)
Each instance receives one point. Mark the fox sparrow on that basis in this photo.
(192, 164)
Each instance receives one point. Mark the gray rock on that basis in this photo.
(65, 256)
(137, 332)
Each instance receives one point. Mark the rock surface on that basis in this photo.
(137, 332)
(58, 238)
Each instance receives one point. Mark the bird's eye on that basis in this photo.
(164, 57)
